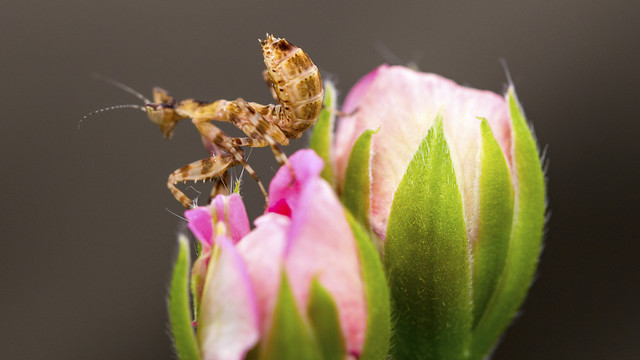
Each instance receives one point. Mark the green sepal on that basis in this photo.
(184, 338)
(196, 280)
(322, 135)
(198, 248)
(325, 323)
(290, 337)
(355, 192)
(426, 257)
(376, 342)
(493, 223)
(526, 236)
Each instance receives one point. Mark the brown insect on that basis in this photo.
(295, 84)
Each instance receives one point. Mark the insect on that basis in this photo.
(295, 84)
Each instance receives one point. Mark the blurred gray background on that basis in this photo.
(88, 239)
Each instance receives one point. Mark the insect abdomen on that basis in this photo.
(296, 81)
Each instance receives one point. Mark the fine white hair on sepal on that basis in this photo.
(174, 214)
(393, 59)
(507, 73)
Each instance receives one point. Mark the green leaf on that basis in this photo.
(322, 135)
(355, 195)
(426, 257)
(494, 222)
(376, 343)
(289, 338)
(179, 309)
(526, 236)
(325, 323)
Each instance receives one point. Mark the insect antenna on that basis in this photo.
(114, 107)
(121, 86)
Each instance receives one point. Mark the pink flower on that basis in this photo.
(403, 104)
(304, 234)
(229, 214)
(227, 325)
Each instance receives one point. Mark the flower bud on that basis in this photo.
(450, 179)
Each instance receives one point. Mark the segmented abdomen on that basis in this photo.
(296, 81)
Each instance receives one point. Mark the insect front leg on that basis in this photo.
(219, 138)
(206, 169)
(255, 126)
(245, 141)
(279, 155)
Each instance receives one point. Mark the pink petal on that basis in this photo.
(285, 191)
(228, 324)
(201, 225)
(354, 98)
(462, 128)
(230, 209)
(350, 127)
(262, 250)
(321, 244)
(403, 104)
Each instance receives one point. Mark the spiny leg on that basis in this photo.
(252, 123)
(245, 118)
(241, 114)
(278, 154)
(257, 127)
(205, 169)
(222, 184)
(245, 141)
(218, 137)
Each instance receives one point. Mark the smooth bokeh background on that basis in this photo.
(87, 233)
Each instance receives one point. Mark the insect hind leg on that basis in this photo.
(216, 136)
